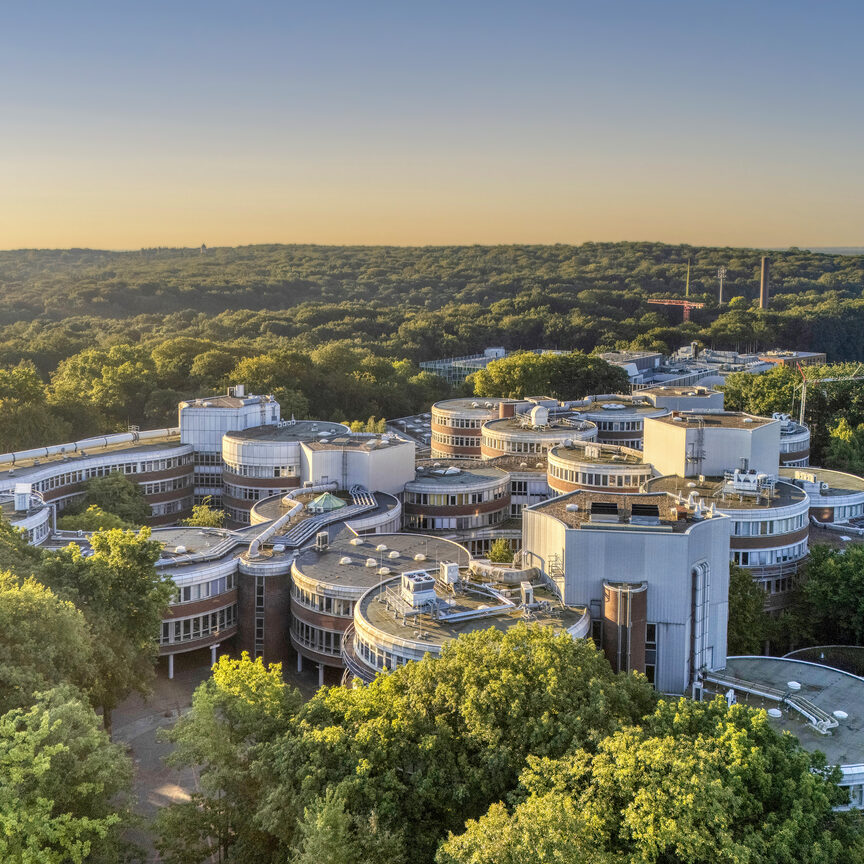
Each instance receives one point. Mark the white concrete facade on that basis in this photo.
(711, 443)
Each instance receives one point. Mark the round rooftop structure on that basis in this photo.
(590, 465)
(619, 419)
(523, 435)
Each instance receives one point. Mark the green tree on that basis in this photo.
(205, 516)
(25, 417)
(434, 742)
(501, 553)
(44, 642)
(748, 622)
(561, 376)
(94, 518)
(117, 494)
(832, 596)
(64, 788)
(124, 598)
(696, 782)
(16, 554)
(276, 374)
(846, 447)
(243, 704)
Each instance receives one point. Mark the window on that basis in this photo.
(650, 651)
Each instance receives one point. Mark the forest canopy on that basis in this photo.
(339, 332)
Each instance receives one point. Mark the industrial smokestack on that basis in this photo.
(763, 283)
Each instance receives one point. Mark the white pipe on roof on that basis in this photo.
(98, 441)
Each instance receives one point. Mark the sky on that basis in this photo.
(126, 125)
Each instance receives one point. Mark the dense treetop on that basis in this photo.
(510, 747)
(338, 332)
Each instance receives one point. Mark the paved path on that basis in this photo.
(136, 724)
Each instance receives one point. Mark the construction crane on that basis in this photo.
(804, 382)
(686, 305)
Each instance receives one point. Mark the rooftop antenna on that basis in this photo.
(721, 275)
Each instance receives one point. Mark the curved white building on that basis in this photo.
(456, 498)
(533, 434)
(414, 614)
(329, 580)
(619, 419)
(584, 465)
(156, 460)
(769, 523)
(28, 513)
(456, 423)
(836, 498)
(262, 461)
(794, 442)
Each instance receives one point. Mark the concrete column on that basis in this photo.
(320, 674)
(171, 666)
(213, 653)
(299, 662)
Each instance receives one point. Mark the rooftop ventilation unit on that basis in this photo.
(371, 562)
(22, 497)
(539, 416)
(345, 559)
(322, 540)
(604, 511)
(449, 572)
(418, 588)
(392, 554)
(645, 514)
(179, 550)
(526, 593)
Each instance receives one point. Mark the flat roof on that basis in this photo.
(299, 430)
(459, 475)
(839, 483)
(196, 541)
(532, 462)
(557, 423)
(827, 688)
(327, 566)
(581, 518)
(618, 407)
(225, 401)
(628, 355)
(437, 631)
(600, 454)
(713, 490)
(359, 441)
(717, 419)
(272, 508)
(74, 459)
(482, 405)
(670, 390)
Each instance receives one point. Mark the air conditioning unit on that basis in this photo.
(526, 592)
(449, 572)
(322, 540)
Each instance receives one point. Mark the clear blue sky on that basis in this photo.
(128, 124)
